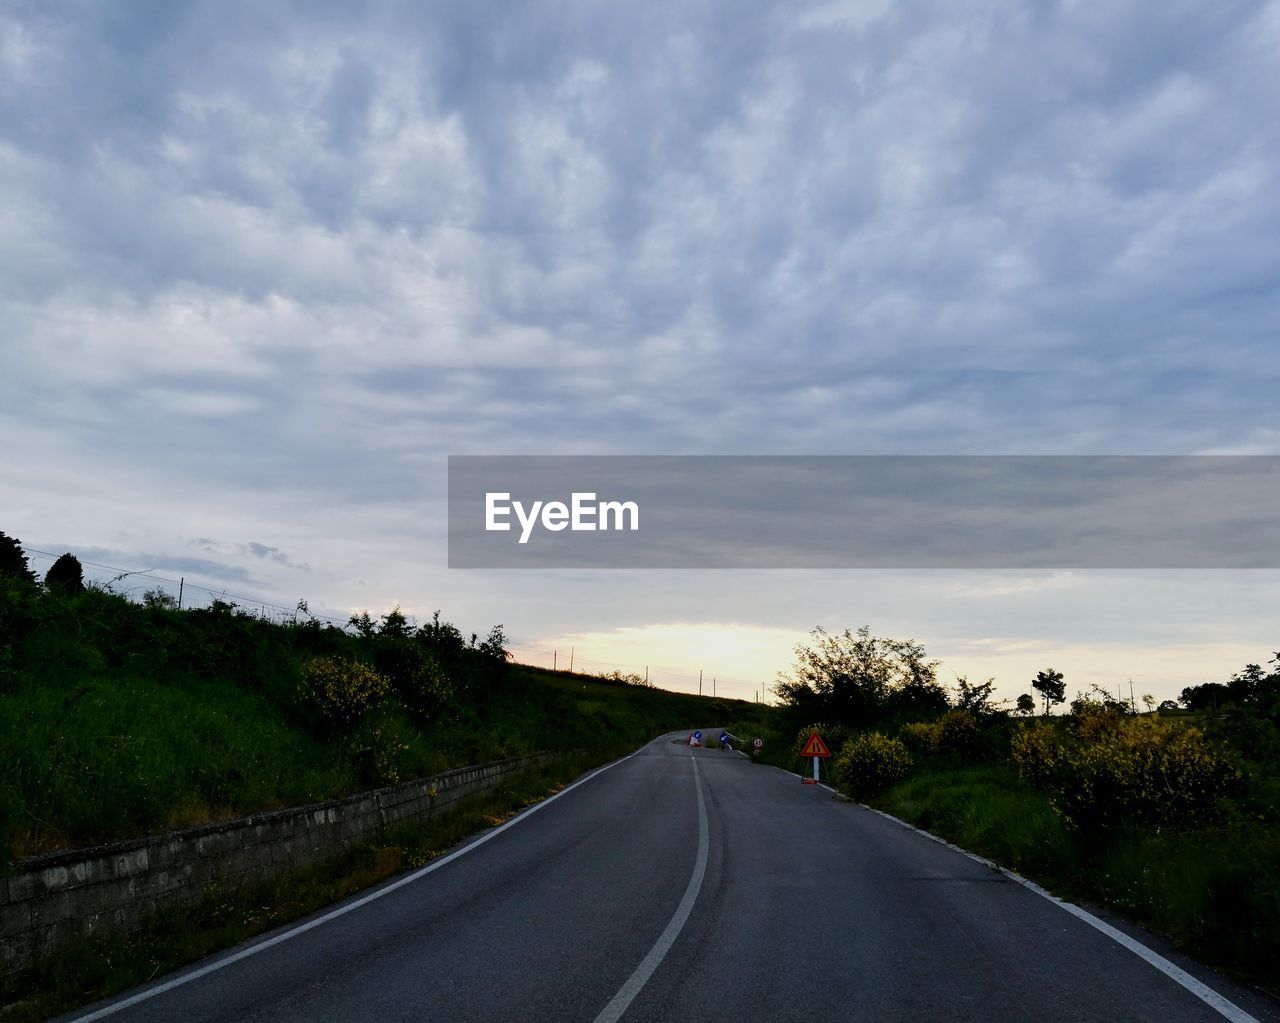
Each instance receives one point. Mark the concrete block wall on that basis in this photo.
(47, 900)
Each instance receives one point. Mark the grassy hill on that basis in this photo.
(120, 719)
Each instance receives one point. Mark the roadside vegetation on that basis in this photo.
(121, 718)
(1170, 816)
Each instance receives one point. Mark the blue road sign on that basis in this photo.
(697, 735)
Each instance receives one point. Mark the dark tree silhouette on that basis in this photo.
(1026, 704)
(13, 562)
(1050, 685)
(65, 576)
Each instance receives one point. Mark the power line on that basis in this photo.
(148, 574)
(667, 674)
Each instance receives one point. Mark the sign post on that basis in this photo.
(817, 749)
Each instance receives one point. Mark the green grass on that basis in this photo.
(1214, 891)
(989, 810)
(118, 720)
(98, 967)
(115, 756)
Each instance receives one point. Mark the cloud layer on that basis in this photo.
(263, 267)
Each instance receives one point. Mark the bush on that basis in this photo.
(958, 732)
(869, 764)
(920, 737)
(342, 691)
(1126, 771)
(1037, 753)
(377, 753)
(417, 677)
(955, 733)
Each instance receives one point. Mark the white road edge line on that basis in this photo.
(620, 1002)
(293, 932)
(1174, 972)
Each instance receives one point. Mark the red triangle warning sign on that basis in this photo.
(815, 747)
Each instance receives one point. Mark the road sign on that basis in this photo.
(698, 736)
(815, 747)
(757, 743)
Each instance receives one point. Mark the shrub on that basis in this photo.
(377, 753)
(956, 733)
(1036, 752)
(869, 764)
(920, 737)
(418, 677)
(1124, 771)
(342, 692)
(158, 599)
(1091, 718)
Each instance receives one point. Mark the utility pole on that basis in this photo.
(555, 659)
(1133, 707)
(571, 659)
(713, 687)
(182, 580)
(699, 681)
(646, 674)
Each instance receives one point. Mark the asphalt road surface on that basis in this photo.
(682, 884)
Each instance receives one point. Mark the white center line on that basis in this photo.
(627, 993)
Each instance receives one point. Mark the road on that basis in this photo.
(680, 884)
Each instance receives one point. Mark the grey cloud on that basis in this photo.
(141, 561)
(261, 550)
(266, 260)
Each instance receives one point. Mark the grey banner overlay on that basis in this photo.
(868, 511)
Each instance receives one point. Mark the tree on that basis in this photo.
(1245, 684)
(495, 647)
(158, 598)
(1050, 685)
(975, 697)
(395, 625)
(13, 562)
(857, 677)
(1026, 705)
(65, 576)
(1150, 702)
(1206, 696)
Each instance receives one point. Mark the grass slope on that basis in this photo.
(118, 720)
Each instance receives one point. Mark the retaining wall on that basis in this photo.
(47, 900)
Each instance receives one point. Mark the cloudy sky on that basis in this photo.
(264, 266)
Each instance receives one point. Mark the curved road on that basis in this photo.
(679, 884)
